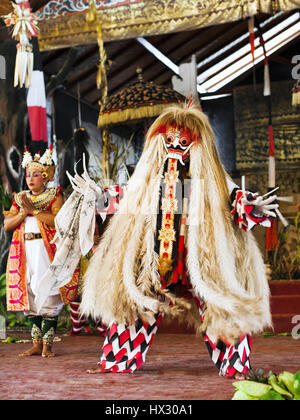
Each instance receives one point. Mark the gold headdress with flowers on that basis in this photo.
(40, 163)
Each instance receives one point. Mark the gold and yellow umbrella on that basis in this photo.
(139, 100)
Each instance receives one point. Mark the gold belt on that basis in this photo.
(30, 235)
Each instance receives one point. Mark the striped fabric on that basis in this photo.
(77, 320)
(102, 329)
(230, 359)
(125, 347)
(36, 99)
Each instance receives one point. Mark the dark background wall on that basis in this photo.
(220, 113)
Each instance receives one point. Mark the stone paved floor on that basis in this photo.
(177, 368)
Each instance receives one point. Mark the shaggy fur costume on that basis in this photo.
(224, 264)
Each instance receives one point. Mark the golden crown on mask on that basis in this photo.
(43, 164)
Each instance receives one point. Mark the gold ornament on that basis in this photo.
(25, 27)
(91, 15)
(167, 233)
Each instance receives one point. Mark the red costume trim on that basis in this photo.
(184, 131)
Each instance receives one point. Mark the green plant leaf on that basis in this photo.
(268, 334)
(3, 310)
(240, 395)
(297, 382)
(273, 381)
(253, 389)
(11, 340)
(287, 379)
(272, 395)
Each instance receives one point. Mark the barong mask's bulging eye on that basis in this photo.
(170, 137)
(176, 139)
(185, 141)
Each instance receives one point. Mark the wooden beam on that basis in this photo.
(126, 73)
(83, 75)
(281, 60)
(38, 4)
(243, 76)
(60, 77)
(179, 48)
(50, 56)
(5, 7)
(88, 72)
(90, 88)
(218, 37)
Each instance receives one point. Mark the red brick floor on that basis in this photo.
(177, 368)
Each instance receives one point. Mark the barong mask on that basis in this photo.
(177, 142)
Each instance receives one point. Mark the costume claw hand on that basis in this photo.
(250, 209)
(262, 206)
(78, 184)
(82, 183)
(92, 184)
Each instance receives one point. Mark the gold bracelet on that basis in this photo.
(36, 212)
(55, 210)
(5, 212)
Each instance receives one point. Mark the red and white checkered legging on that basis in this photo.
(125, 348)
(79, 321)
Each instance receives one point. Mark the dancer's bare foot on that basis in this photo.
(35, 350)
(47, 350)
(97, 369)
(240, 376)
